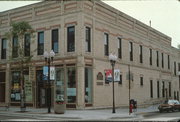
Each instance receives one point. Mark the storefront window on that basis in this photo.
(28, 87)
(15, 91)
(71, 85)
(59, 92)
(88, 85)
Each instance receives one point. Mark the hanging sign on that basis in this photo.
(52, 73)
(116, 75)
(45, 73)
(108, 73)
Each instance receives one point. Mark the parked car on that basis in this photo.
(169, 105)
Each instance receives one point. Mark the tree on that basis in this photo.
(20, 37)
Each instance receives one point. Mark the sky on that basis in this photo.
(163, 14)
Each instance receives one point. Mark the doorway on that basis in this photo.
(41, 93)
(2, 86)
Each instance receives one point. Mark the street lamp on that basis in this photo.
(48, 59)
(112, 59)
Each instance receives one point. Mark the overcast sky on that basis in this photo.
(164, 14)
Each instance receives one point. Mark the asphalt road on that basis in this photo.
(151, 116)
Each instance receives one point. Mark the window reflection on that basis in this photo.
(71, 85)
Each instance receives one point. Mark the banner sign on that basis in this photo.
(116, 75)
(52, 73)
(45, 73)
(108, 75)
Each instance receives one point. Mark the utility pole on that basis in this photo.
(129, 87)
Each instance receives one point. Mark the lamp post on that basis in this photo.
(48, 59)
(112, 59)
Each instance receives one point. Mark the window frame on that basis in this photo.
(3, 49)
(27, 48)
(140, 54)
(70, 40)
(88, 39)
(40, 44)
(119, 48)
(131, 51)
(54, 39)
(106, 44)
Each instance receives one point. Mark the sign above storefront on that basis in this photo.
(99, 76)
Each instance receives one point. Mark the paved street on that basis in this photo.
(148, 116)
(143, 114)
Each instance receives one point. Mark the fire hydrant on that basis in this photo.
(131, 107)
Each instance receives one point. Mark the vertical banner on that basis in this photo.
(45, 73)
(108, 75)
(116, 75)
(52, 73)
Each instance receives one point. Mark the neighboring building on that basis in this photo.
(83, 34)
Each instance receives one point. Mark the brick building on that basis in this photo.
(83, 34)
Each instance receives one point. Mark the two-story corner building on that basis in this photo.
(82, 35)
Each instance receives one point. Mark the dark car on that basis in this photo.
(169, 105)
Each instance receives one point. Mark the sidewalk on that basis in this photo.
(95, 114)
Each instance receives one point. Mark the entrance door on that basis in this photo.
(41, 90)
(42, 97)
(2, 86)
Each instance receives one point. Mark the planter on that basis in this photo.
(59, 108)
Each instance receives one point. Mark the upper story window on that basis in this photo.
(88, 40)
(162, 60)
(168, 62)
(179, 67)
(141, 81)
(157, 59)
(40, 43)
(151, 88)
(174, 68)
(158, 88)
(120, 77)
(119, 48)
(15, 47)
(27, 45)
(140, 53)
(3, 48)
(106, 44)
(55, 38)
(169, 89)
(131, 51)
(71, 39)
(150, 56)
